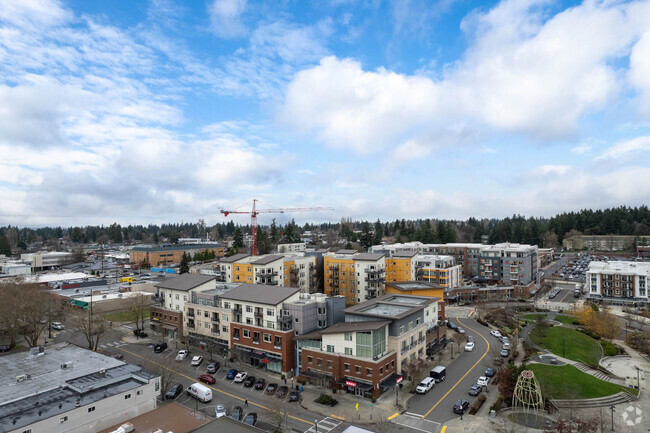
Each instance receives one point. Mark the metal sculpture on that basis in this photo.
(527, 397)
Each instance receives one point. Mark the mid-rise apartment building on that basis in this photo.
(509, 264)
(300, 271)
(293, 270)
(168, 255)
(400, 266)
(67, 388)
(261, 330)
(618, 281)
(357, 276)
(172, 294)
(603, 242)
(379, 340)
(438, 269)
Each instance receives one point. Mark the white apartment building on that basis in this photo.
(65, 388)
(438, 269)
(299, 247)
(370, 275)
(618, 281)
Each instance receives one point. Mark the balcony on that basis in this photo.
(237, 310)
(404, 350)
(216, 332)
(263, 274)
(285, 319)
(190, 314)
(215, 319)
(374, 271)
(259, 314)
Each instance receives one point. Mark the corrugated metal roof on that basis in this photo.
(268, 259)
(185, 282)
(260, 293)
(233, 259)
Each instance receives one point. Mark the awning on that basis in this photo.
(264, 361)
(78, 304)
(390, 381)
(170, 326)
(349, 382)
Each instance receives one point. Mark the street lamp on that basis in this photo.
(638, 386)
(316, 425)
(452, 349)
(612, 408)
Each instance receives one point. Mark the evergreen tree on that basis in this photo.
(4, 246)
(366, 236)
(185, 264)
(238, 239)
(263, 241)
(274, 233)
(379, 233)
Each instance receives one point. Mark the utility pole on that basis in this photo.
(612, 408)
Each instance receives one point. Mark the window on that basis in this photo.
(267, 338)
(206, 313)
(224, 317)
(226, 305)
(381, 370)
(249, 321)
(224, 329)
(249, 309)
(368, 371)
(319, 362)
(185, 298)
(270, 312)
(346, 367)
(62, 419)
(177, 297)
(329, 364)
(357, 369)
(91, 409)
(401, 330)
(330, 348)
(206, 325)
(348, 336)
(310, 360)
(128, 396)
(247, 333)
(139, 392)
(348, 351)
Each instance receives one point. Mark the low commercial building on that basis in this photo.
(67, 388)
(618, 282)
(168, 255)
(46, 260)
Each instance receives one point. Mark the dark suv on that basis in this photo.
(461, 406)
(160, 347)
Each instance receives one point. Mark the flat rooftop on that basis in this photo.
(616, 267)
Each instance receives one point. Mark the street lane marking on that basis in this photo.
(567, 294)
(410, 426)
(442, 430)
(337, 417)
(413, 414)
(464, 375)
(392, 416)
(218, 390)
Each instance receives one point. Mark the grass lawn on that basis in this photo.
(124, 316)
(532, 316)
(578, 346)
(566, 319)
(568, 382)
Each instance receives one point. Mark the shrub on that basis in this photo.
(497, 404)
(589, 333)
(477, 404)
(374, 400)
(608, 348)
(639, 341)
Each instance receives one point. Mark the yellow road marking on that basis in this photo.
(442, 430)
(394, 415)
(567, 294)
(464, 375)
(338, 417)
(218, 390)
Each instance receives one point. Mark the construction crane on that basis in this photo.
(256, 211)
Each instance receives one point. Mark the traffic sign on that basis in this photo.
(356, 406)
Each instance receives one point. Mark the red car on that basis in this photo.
(207, 378)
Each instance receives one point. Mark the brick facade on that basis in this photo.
(168, 321)
(285, 350)
(337, 365)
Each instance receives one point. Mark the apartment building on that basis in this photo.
(168, 255)
(380, 340)
(172, 294)
(66, 388)
(423, 289)
(467, 255)
(438, 269)
(508, 264)
(603, 242)
(618, 281)
(371, 275)
(400, 266)
(227, 267)
(207, 322)
(339, 275)
(298, 247)
(261, 330)
(300, 271)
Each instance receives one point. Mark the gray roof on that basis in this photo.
(188, 247)
(413, 285)
(393, 306)
(345, 327)
(49, 385)
(226, 424)
(369, 256)
(268, 259)
(260, 293)
(404, 253)
(234, 258)
(185, 282)
(346, 251)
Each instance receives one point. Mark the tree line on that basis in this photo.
(544, 232)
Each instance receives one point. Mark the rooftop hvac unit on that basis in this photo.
(102, 371)
(22, 377)
(67, 364)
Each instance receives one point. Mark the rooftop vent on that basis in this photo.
(22, 377)
(102, 371)
(67, 364)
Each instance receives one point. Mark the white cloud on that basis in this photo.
(225, 18)
(523, 73)
(581, 149)
(639, 73)
(627, 148)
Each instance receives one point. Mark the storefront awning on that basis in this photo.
(355, 384)
(170, 326)
(390, 381)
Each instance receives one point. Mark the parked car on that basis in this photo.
(483, 381)
(261, 382)
(251, 419)
(207, 378)
(237, 413)
(231, 374)
(173, 391)
(452, 325)
(213, 367)
(5, 348)
(461, 406)
(160, 347)
(469, 347)
(220, 411)
(58, 326)
(506, 346)
(270, 390)
(490, 372)
(182, 354)
(282, 391)
(470, 338)
(496, 334)
(460, 330)
(294, 396)
(196, 361)
(250, 381)
(241, 376)
(475, 389)
(505, 353)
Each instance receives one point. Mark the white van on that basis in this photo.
(426, 384)
(200, 392)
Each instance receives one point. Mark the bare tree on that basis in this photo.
(93, 327)
(138, 309)
(34, 312)
(163, 368)
(10, 310)
(277, 414)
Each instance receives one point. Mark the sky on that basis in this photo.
(160, 111)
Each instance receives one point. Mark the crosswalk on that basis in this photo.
(113, 344)
(325, 425)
